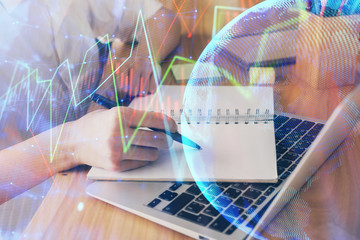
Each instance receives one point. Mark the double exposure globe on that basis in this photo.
(272, 42)
(226, 89)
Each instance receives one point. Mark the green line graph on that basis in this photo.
(33, 75)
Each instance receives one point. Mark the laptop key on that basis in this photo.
(251, 209)
(281, 149)
(299, 131)
(199, 219)
(318, 126)
(232, 192)
(252, 193)
(168, 196)
(292, 168)
(240, 186)
(233, 227)
(243, 202)
(269, 191)
(293, 137)
(297, 150)
(154, 203)
(194, 189)
(204, 199)
(231, 230)
(284, 175)
(181, 201)
(252, 223)
(279, 135)
(283, 163)
(241, 220)
(221, 223)
(279, 121)
(308, 137)
(305, 125)
(303, 144)
(223, 184)
(175, 186)
(214, 190)
(260, 200)
(286, 143)
(292, 123)
(212, 211)
(261, 186)
(290, 156)
(194, 207)
(222, 201)
(278, 182)
(234, 211)
(204, 184)
(280, 170)
(316, 130)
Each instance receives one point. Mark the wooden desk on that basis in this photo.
(327, 208)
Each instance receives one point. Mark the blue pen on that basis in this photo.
(107, 103)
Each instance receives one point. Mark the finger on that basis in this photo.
(126, 165)
(147, 82)
(153, 84)
(140, 153)
(151, 120)
(127, 80)
(135, 84)
(120, 85)
(142, 90)
(147, 138)
(123, 82)
(117, 45)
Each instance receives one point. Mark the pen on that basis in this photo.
(107, 103)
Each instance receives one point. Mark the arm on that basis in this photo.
(26, 164)
(164, 34)
(97, 139)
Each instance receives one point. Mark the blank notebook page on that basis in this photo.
(233, 126)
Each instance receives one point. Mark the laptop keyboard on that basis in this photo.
(225, 207)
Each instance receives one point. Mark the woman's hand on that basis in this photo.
(137, 77)
(110, 139)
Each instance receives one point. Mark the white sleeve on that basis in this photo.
(119, 16)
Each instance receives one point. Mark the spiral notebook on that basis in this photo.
(233, 125)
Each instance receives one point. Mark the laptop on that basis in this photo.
(218, 210)
(250, 51)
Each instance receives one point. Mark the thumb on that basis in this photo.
(117, 45)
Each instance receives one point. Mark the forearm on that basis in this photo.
(28, 163)
(164, 32)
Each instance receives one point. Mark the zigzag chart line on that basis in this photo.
(216, 11)
(73, 102)
(33, 74)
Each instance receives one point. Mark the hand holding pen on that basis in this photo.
(107, 103)
(110, 139)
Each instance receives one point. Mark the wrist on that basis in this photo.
(64, 149)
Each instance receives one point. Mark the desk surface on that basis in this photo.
(327, 208)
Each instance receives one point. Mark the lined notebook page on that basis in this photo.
(237, 145)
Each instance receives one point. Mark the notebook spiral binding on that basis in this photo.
(228, 118)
